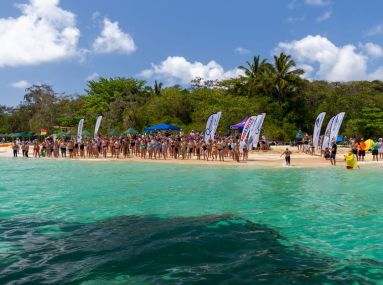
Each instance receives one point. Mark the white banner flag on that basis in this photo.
(79, 130)
(216, 119)
(335, 127)
(250, 138)
(258, 128)
(327, 133)
(98, 123)
(317, 128)
(209, 128)
(245, 132)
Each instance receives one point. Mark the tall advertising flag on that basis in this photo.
(98, 123)
(216, 119)
(245, 132)
(209, 127)
(327, 133)
(258, 128)
(317, 128)
(335, 127)
(250, 138)
(79, 130)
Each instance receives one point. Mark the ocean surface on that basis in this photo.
(119, 222)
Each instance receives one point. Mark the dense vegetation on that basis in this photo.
(276, 88)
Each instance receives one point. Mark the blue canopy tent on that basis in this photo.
(162, 127)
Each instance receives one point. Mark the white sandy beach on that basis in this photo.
(269, 158)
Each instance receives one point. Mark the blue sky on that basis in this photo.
(64, 43)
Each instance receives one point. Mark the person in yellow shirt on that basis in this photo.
(350, 160)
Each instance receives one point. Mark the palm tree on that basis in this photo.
(286, 76)
(255, 73)
(254, 68)
(157, 88)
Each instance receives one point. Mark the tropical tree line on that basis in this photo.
(276, 88)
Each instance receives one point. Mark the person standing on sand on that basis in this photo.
(375, 151)
(63, 149)
(333, 153)
(236, 151)
(82, 147)
(36, 149)
(362, 150)
(287, 153)
(380, 151)
(299, 138)
(245, 151)
(15, 148)
(164, 148)
(71, 148)
(26, 149)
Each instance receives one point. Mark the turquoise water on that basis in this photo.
(138, 223)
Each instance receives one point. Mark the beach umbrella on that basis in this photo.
(131, 131)
(162, 127)
(114, 133)
(86, 134)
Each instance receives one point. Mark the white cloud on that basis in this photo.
(295, 19)
(22, 84)
(324, 60)
(113, 39)
(95, 16)
(308, 70)
(241, 51)
(93, 76)
(372, 50)
(377, 74)
(325, 16)
(377, 30)
(177, 70)
(316, 2)
(43, 32)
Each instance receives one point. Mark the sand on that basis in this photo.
(269, 158)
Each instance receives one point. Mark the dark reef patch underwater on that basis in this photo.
(151, 250)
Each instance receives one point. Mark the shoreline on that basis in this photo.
(268, 159)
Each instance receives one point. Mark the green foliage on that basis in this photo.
(276, 88)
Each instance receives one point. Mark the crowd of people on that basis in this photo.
(158, 145)
(166, 145)
(358, 148)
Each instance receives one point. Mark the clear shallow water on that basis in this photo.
(139, 223)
